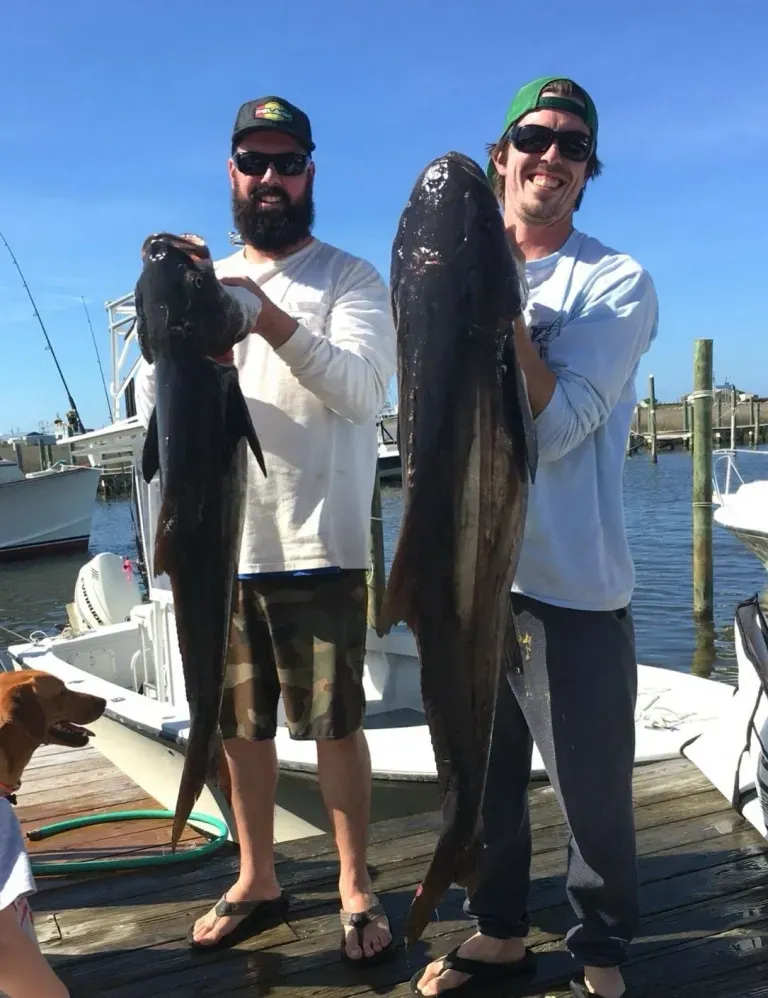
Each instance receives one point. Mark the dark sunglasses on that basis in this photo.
(573, 145)
(256, 164)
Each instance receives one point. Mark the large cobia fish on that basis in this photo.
(468, 446)
(197, 438)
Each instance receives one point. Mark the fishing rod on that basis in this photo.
(96, 351)
(79, 423)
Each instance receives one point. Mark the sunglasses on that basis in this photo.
(573, 145)
(256, 164)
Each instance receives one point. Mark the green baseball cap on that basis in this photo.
(529, 98)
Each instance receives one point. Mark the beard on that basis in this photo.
(275, 227)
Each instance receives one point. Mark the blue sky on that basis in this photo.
(116, 120)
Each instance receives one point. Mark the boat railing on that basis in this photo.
(727, 456)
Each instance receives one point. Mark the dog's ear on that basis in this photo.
(27, 713)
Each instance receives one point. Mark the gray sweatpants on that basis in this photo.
(573, 688)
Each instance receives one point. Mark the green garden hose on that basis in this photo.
(128, 862)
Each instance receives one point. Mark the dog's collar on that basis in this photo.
(9, 792)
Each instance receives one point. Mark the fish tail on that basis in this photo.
(452, 863)
(424, 904)
(197, 759)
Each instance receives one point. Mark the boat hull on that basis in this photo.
(48, 512)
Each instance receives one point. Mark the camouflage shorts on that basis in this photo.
(302, 638)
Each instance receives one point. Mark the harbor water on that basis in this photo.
(33, 594)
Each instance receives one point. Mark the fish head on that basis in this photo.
(453, 222)
(177, 296)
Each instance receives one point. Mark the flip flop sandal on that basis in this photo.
(257, 915)
(579, 989)
(358, 920)
(482, 972)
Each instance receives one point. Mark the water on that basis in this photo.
(658, 512)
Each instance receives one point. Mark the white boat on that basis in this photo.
(742, 509)
(389, 452)
(45, 512)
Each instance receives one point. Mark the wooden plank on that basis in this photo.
(654, 779)
(75, 788)
(387, 847)
(656, 975)
(399, 878)
(56, 766)
(207, 881)
(46, 754)
(704, 899)
(113, 795)
(742, 983)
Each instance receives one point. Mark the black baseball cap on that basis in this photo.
(275, 114)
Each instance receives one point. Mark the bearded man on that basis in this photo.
(314, 369)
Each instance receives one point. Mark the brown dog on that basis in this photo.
(36, 708)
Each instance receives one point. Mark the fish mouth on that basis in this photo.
(155, 246)
(67, 733)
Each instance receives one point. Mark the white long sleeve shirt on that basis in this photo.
(313, 403)
(592, 313)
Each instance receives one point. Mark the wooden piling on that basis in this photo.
(376, 574)
(755, 422)
(733, 418)
(703, 587)
(652, 418)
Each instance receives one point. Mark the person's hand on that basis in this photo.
(273, 323)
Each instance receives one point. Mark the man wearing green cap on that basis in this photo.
(591, 314)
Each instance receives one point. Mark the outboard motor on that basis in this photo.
(105, 592)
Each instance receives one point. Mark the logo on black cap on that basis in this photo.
(273, 110)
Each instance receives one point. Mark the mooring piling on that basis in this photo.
(703, 588)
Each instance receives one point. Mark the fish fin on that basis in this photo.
(240, 424)
(517, 410)
(163, 559)
(150, 458)
(396, 601)
(142, 333)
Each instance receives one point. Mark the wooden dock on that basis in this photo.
(704, 875)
